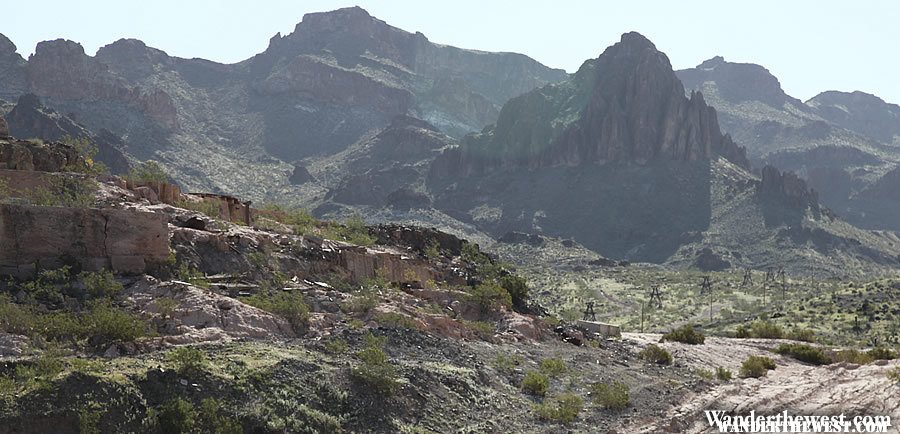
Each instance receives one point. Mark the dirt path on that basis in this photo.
(795, 387)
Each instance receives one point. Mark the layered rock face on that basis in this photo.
(626, 105)
(788, 189)
(30, 118)
(12, 71)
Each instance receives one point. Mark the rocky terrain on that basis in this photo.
(841, 143)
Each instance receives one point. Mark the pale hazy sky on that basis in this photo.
(811, 46)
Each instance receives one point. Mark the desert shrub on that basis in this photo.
(336, 346)
(88, 151)
(484, 329)
(101, 283)
(361, 302)
(212, 418)
(656, 354)
(353, 231)
(395, 320)
(766, 330)
(489, 296)
(517, 287)
(105, 324)
(89, 421)
(851, 356)
(177, 416)
(300, 220)
(563, 408)
(433, 251)
(723, 374)
(756, 367)
(804, 353)
(289, 305)
(5, 191)
(535, 383)
(803, 335)
(148, 172)
(508, 363)
(66, 191)
(894, 374)
(166, 306)
(705, 374)
(553, 367)
(192, 275)
(882, 353)
(376, 371)
(685, 334)
(187, 360)
(614, 396)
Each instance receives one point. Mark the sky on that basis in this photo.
(811, 46)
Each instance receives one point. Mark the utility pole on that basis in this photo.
(642, 317)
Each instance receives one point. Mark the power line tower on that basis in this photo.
(589, 312)
(783, 283)
(655, 296)
(705, 286)
(748, 278)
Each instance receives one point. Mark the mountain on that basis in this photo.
(860, 112)
(241, 127)
(626, 105)
(619, 159)
(30, 118)
(840, 143)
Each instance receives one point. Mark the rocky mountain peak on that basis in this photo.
(131, 57)
(7, 47)
(861, 112)
(625, 105)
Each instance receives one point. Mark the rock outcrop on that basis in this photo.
(30, 118)
(788, 189)
(4, 128)
(37, 237)
(626, 105)
(36, 155)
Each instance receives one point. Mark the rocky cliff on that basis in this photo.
(29, 118)
(626, 105)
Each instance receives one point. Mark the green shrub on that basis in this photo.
(187, 360)
(723, 374)
(803, 335)
(685, 334)
(881, 353)
(756, 367)
(766, 330)
(300, 220)
(395, 320)
(508, 363)
(656, 354)
(852, 356)
(376, 371)
(89, 421)
(361, 302)
(484, 329)
(894, 374)
(553, 367)
(213, 419)
(101, 283)
(177, 416)
(517, 287)
(535, 383)
(88, 152)
(66, 191)
(289, 305)
(353, 231)
(190, 274)
(336, 346)
(804, 353)
(489, 296)
(433, 251)
(563, 408)
(613, 396)
(705, 374)
(148, 172)
(105, 324)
